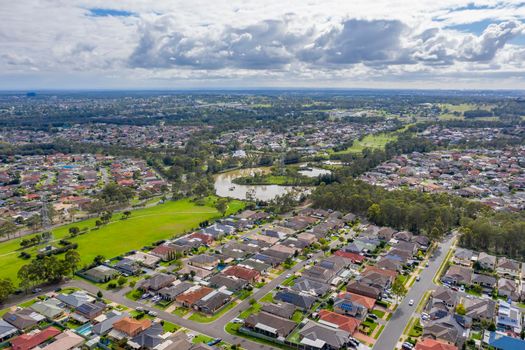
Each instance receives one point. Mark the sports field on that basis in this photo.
(143, 227)
(375, 141)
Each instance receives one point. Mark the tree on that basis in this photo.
(72, 258)
(98, 223)
(99, 259)
(6, 288)
(460, 309)
(398, 288)
(74, 230)
(126, 214)
(121, 281)
(99, 294)
(253, 301)
(7, 228)
(221, 205)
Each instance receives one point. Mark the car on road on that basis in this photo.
(37, 290)
(411, 302)
(237, 320)
(418, 278)
(426, 265)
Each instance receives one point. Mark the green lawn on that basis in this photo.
(181, 311)
(373, 141)
(378, 313)
(169, 327)
(268, 298)
(144, 227)
(251, 310)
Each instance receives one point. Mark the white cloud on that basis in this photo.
(259, 43)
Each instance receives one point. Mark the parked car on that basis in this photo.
(214, 341)
(411, 302)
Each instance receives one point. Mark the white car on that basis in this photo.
(411, 302)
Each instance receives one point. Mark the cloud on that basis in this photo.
(359, 41)
(175, 40)
(493, 38)
(264, 45)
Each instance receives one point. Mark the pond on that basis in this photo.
(314, 172)
(224, 186)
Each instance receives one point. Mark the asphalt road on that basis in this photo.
(395, 326)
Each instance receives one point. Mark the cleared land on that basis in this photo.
(143, 227)
(370, 141)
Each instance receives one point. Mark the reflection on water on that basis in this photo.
(224, 187)
(314, 172)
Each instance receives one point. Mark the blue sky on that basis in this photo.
(223, 43)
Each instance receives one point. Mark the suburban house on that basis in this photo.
(501, 341)
(255, 265)
(130, 326)
(302, 301)
(212, 302)
(353, 257)
(336, 320)
(309, 286)
(165, 252)
(269, 325)
(371, 284)
(32, 340)
(479, 309)
(75, 299)
(100, 274)
(446, 329)
(486, 261)
(91, 310)
(386, 233)
(23, 319)
(509, 318)
(463, 257)
(403, 236)
(508, 288)
(157, 282)
(284, 310)
(242, 272)
(66, 340)
(128, 267)
(50, 308)
(445, 297)
(233, 284)
(171, 292)
(487, 282)
(7, 330)
(457, 275)
(145, 259)
(204, 261)
(432, 344)
(192, 295)
(104, 327)
(354, 305)
(151, 338)
(318, 336)
(508, 267)
(390, 264)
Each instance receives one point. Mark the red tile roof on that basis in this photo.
(431, 344)
(242, 272)
(29, 341)
(345, 323)
(367, 302)
(356, 258)
(388, 273)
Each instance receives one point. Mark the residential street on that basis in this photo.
(394, 328)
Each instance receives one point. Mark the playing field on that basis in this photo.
(370, 141)
(143, 227)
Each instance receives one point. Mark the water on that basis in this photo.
(224, 187)
(84, 329)
(314, 172)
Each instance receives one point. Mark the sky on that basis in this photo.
(179, 44)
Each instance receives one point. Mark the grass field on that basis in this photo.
(143, 227)
(460, 108)
(370, 141)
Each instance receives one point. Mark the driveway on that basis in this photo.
(395, 326)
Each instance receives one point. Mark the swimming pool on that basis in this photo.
(84, 329)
